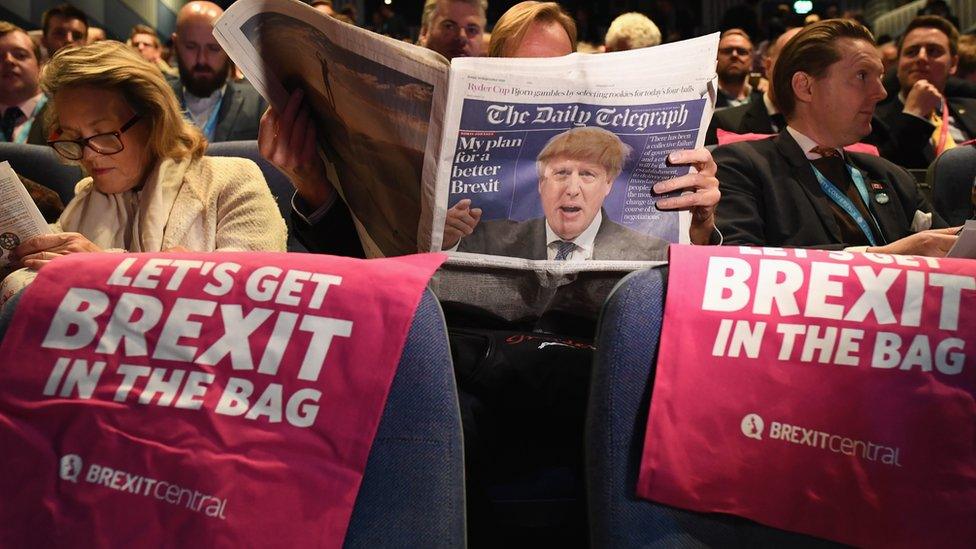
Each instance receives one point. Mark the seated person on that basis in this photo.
(150, 187)
(577, 169)
(529, 29)
(924, 119)
(758, 116)
(799, 188)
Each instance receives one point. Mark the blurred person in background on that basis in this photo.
(225, 109)
(631, 31)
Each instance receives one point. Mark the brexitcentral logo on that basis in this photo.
(70, 467)
(752, 426)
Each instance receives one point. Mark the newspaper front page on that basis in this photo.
(19, 217)
(377, 104)
(408, 140)
(503, 115)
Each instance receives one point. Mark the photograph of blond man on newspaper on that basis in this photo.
(576, 172)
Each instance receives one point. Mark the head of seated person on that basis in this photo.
(827, 82)
(150, 188)
(533, 29)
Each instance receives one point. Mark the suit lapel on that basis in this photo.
(802, 172)
(539, 247)
(756, 118)
(230, 107)
(964, 116)
(886, 214)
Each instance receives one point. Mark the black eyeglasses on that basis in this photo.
(741, 52)
(103, 143)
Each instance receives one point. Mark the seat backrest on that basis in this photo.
(952, 176)
(281, 187)
(412, 493)
(42, 165)
(623, 374)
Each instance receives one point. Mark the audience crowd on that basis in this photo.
(821, 136)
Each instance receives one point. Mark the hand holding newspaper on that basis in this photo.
(536, 175)
(19, 217)
(499, 161)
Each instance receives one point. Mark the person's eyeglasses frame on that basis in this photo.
(86, 141)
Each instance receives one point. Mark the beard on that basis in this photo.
(201, 80)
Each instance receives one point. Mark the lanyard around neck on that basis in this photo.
(845, 203)
(211, 126)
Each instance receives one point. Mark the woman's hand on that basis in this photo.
(40, 250)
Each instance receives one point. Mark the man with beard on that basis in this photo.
(453, 28)
(734, 64)
(224, 109)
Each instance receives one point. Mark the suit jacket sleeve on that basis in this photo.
(333, 234)
(907, 138)
(740, 212)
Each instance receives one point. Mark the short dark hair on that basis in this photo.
(7, 28)
(64, 11)
(933, 22)
(813, 50)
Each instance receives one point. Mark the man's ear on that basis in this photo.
(422, 39)
(802, 84)
(175, 38)
(954, 65)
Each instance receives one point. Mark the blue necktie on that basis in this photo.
(563, 250)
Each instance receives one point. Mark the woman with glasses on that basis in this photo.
(150, 188)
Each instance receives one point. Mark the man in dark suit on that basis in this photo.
(923, 119)
(225, 110)
(800, 189)
(576, 173)
(22, 104)
(733, 67)
(756, 116)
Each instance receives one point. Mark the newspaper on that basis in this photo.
(19, 217)
(410, 140)
(377, 104)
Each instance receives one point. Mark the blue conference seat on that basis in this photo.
(413, 490)
(42, 165)
(620, 391)
(953, 175)
(412, 494)
(280, 186)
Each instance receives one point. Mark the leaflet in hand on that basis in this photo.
(19, 217)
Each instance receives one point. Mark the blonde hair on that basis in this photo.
(631, 31)
(113, 65)
(514, 23)
(590, 144)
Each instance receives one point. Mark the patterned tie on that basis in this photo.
(832, 165)
(9, 121)
(941, 138)
(563, 249)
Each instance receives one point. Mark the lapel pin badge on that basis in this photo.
(881, 198)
